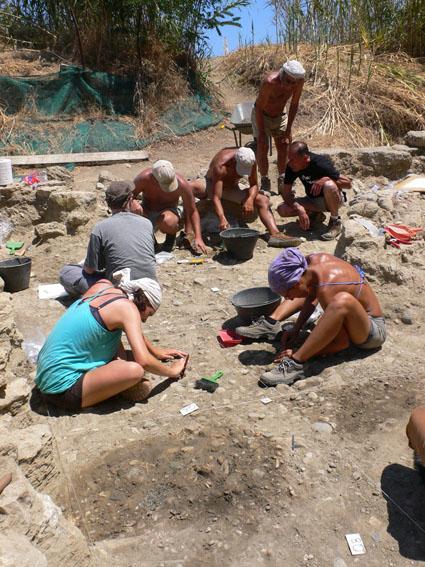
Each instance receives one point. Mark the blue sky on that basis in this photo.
(257, 12)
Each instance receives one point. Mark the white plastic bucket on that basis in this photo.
(6, 176)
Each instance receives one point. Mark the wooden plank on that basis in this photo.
(94, 157)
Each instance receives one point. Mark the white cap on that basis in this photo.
(294, 69)
(245, 159)
(164, 173)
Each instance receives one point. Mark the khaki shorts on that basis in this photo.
(319, 203)
(274, 126)
(236, 194)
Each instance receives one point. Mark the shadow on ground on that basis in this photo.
(38, 403)
(404, 491)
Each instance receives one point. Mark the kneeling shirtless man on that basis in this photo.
(226, 169)
(352, 313)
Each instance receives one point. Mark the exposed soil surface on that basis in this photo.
(238, 482)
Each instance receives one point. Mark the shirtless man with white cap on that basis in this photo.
(226, 169)
(161, 189)
(270, 119)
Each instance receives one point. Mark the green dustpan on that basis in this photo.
(13, 245)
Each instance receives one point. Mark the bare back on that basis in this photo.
(331, 275)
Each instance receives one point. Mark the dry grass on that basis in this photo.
(349, 92)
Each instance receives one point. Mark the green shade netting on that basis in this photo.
(52, 103)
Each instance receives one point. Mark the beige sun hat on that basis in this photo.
(164, 173)
(245, 159)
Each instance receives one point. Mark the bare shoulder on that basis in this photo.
(98, 287)
(320, 258)
(142, 176)
(271, 79)
(221, 160)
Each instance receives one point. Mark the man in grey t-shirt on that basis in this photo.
(125, 240)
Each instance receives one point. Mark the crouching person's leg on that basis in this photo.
(343, 321)
(75, 280)
(109, 380)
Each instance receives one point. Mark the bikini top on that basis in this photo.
(359, 283)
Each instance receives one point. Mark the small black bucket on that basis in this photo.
(240, 242)
(255, 301)
(16, 274)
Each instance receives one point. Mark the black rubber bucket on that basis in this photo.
(255, 301)
(240, 242)
(16, 274)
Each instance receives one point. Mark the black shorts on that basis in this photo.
(70, 399)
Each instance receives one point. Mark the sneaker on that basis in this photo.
(316, 220)
(260, 329)
(169, 242)
(287, 372)
(265, 186)
(281, 240)
(280, 183)
(334, 230)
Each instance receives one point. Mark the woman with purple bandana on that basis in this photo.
(352, 313)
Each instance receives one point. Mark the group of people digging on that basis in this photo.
(83, 361)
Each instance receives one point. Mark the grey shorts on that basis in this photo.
(377, 333)
(75, 280)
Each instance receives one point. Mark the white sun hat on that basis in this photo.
(164, 173)
(245, 159)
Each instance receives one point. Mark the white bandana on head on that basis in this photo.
(294, 69)
(150, 288)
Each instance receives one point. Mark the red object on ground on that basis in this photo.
(415, 431)
(401, 232)
(228, 338)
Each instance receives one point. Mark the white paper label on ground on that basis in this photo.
(355, 543)
(215, 289)
(266, 400)
(189, 409)
(51, 291)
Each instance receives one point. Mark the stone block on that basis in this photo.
(35, 515)
(16, 395)
(106, 177)
(49, 230)
(384, 161)
(415, 139)
(60, 172)
(367, 209)
(16, 549)
(70, 200)
(77, 218)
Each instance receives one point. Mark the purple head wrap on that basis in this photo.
(286, 270)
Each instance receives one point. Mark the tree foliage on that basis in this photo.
(114, 33)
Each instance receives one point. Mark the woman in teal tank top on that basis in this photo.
(83, 361)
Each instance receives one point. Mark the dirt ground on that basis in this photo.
(238, 482)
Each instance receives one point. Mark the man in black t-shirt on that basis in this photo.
(323, 186)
